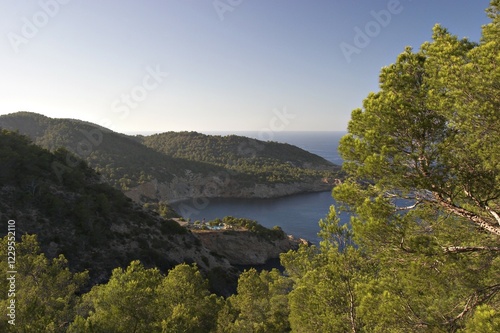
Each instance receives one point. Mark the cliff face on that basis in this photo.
(244, 247)
(181, 188)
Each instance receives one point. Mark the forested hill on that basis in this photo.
(229, 150)
(172, 160)
(121, 159)
(95, 226)
(270, 161)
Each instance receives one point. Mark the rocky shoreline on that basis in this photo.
(181, 189)
(239, 247)
(243, 247)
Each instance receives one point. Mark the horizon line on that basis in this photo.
(230, 131)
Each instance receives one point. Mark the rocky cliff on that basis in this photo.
(242, 247)
(181, 188)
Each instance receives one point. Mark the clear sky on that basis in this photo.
(233, 65)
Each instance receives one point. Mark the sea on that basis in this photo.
(297, 215)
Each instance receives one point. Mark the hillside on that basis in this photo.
(173, 166)
(122, 160)
(94, 225)
(268, 162)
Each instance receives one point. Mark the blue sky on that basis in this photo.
(230, 65)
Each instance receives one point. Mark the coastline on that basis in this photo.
(182, 189)
(187, 199)
(296, 214)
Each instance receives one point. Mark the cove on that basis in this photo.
(297, 215)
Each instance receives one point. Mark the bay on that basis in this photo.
(297, 215)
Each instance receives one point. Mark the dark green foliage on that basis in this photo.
(126, 161)
(260, 305)
(75, 213)
(44, 292)
(143, 300)
(423, 188)
(254, 160)
(275, 233)
(162, 208)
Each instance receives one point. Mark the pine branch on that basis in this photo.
(459, 211)
(495, 215)
(466, 249)
(477, 298)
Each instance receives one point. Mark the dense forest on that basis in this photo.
(269, 162)
(123, 161)
(128, 161)
(94, 225)
(420, 254)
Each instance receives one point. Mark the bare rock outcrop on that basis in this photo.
(242, 247)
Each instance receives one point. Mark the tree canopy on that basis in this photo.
(431, 134)
(423, 187)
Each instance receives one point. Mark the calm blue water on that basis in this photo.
(297, 215)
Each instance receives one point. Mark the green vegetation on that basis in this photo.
(199, 160)
(124, 162)
(163, 209)
(260, 304)
(144, 300)
(96, 226)
(263, 162)
(421, 252)
(45, 292)
(275, 233)
(423, 190)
